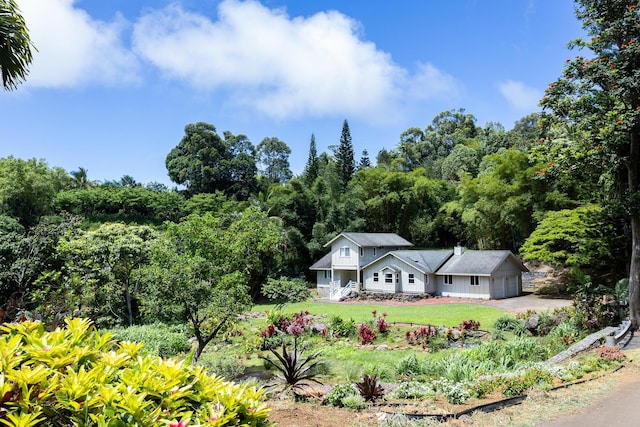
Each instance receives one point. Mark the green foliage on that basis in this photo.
(577, 237)
(285, 290)
(28, 187)
(159, 339)
(413, 390)
(507, 323)
(228, 367)
(354, 402)
(205, 163)
(339, 392)
(341, 327)
(15, 45)
(102, 269)
(110, 203)
(78, 376)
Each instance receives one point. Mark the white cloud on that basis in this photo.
(282, 66)
(73, 48)
(519, 95)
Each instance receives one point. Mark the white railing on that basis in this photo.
(338, 292)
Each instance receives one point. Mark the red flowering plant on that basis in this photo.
(366, 334)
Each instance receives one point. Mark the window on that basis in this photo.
(327, 274)
(374, 251)
(475, 281)
(388, 278)
(448, 279)
(345, 251)
(375, 277)
(361, 251)
(412, 278)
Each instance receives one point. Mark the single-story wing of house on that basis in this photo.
(383, 262)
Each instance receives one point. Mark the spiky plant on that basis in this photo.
(294, 369)
(369, 388)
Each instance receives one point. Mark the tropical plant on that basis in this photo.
(369, 388)
(15, 45)
(295, 370)
(78, 376)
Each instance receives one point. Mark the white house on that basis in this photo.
(382, 262)
(342, 266)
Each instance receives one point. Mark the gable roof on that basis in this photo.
(367, 240)
(478, 263)
(426, 261)
(323, 263)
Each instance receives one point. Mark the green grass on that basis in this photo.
(438, 314)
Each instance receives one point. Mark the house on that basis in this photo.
(342, 266)
(384, 262)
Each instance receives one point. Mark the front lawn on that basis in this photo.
(437, 314)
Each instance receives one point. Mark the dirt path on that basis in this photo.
(617, 407)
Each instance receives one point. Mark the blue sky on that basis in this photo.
(114, 82)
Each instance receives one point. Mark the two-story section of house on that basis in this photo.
(342, 266)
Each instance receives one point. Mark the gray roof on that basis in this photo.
(369, 240)
(427, 261)
(323, 263)
(478, 263)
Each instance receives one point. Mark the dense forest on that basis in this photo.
(560, 187)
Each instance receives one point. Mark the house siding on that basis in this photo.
(462, 288)
(507, 281)
(401, 280)
(345, 262)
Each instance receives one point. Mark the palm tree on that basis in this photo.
(80, 179)
(15, 45)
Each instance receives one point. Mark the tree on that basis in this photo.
(600, 95)
(28, 187)
(311, 168)
(365, 161)
(274, 157)
(106, 261)
(202, 272)
(205, 163)
(345, 161)
(25, 255)
(80, 179)
(15, 45)
(580, 237)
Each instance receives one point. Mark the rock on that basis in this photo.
(382, 347)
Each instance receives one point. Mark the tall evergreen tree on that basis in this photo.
(365, 162)
(311, 168)
(345, 160)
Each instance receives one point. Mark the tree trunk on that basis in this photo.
(633, 171)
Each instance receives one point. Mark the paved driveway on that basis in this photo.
(529, 302)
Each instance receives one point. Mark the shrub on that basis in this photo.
(341, 327)
(366, 334)
(469, 325)
(610, 354)
(228, 367)
(409, 366)
(506, 323)
(159, 339)
(354, 402)
(339, 392)
(78, 376)
(413, 390)
(483, 387)
(455, 393)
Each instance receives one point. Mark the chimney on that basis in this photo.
(458, 249)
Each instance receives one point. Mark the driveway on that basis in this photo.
(531, 301)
